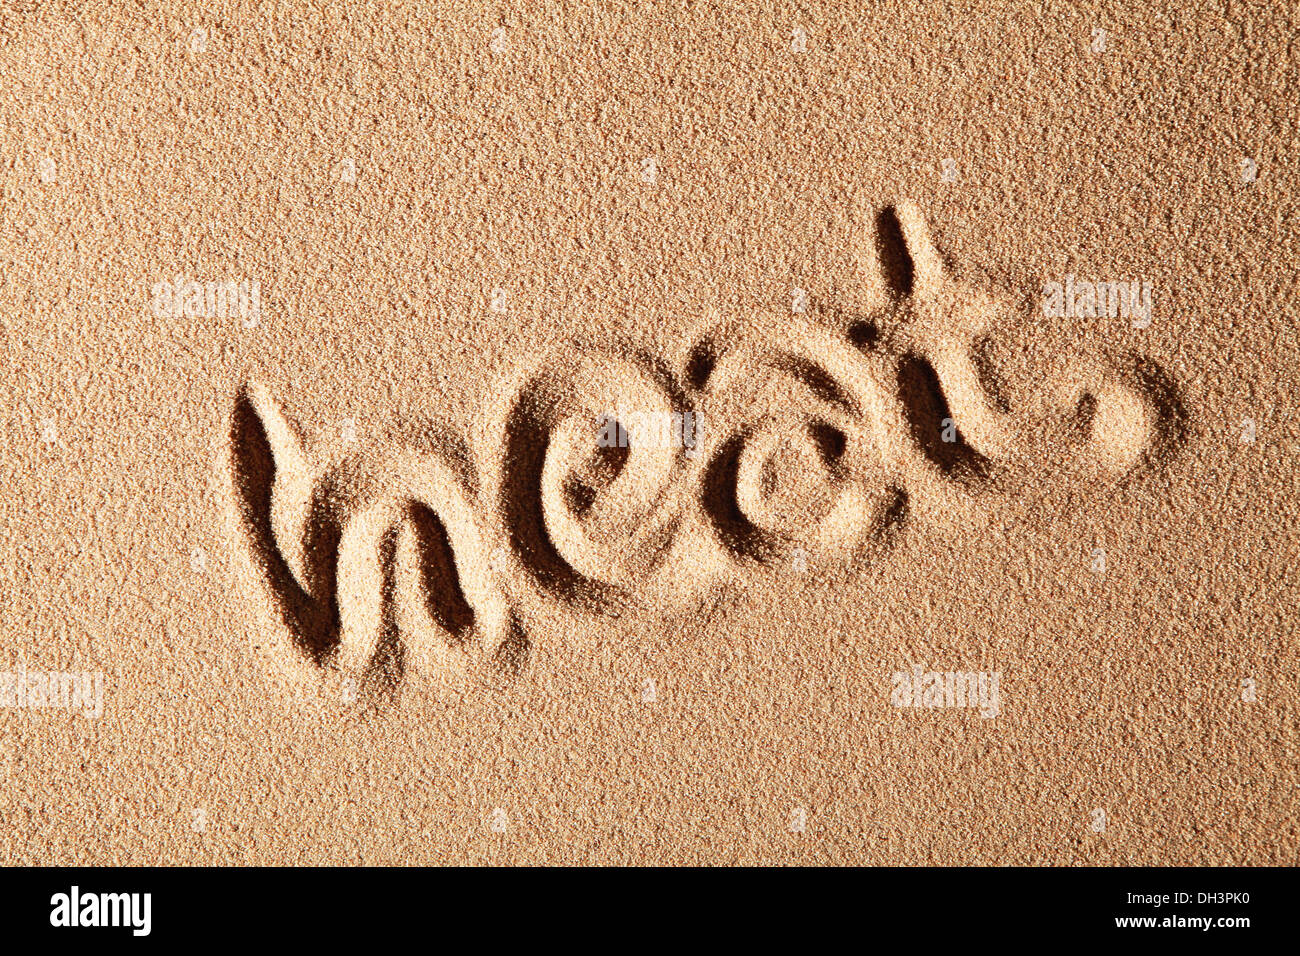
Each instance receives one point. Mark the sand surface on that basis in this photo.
(312, 317)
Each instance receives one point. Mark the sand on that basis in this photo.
(649, 434)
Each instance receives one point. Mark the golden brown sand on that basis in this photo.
(362, 581)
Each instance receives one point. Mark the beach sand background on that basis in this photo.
(433, 198)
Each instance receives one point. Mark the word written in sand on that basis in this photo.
(1090, 300)
(813, 439)
(73, 909)
(975, 689)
